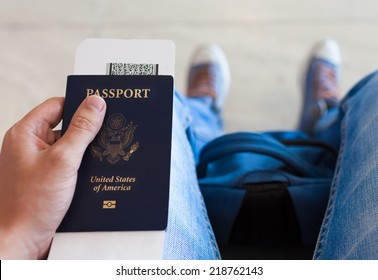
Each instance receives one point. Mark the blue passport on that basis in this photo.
(123, 180)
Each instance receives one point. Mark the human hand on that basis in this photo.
(38, 173)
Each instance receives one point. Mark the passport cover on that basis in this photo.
(123, 180)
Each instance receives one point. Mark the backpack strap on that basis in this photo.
(242, 142)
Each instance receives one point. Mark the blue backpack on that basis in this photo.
(266, 193)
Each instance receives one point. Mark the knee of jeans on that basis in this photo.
(370, 80)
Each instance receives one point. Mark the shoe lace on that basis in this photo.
(202, 81)
(325, 83)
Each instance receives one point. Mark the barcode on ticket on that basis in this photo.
(132, 69)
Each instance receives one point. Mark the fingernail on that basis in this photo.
(96, 102)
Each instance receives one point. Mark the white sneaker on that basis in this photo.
(321, 83)
(209, 74)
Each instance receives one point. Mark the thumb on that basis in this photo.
(84, 125)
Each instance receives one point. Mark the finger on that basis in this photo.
(58, 134)
(45, 116)
(84, 126)
(53, 136)
(36, 126)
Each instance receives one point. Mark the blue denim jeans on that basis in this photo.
(189, 234)
(350, 226)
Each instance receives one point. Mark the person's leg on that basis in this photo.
(320, 117)
(189, 234)
(197, 120)
(350, 226)
(208, 85)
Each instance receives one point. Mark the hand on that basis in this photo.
(38, 172)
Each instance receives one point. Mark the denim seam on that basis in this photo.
(209, 227)
(334, 188)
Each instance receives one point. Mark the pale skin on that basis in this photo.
(38, 172)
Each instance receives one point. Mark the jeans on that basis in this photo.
(350, 225)
(189, 234)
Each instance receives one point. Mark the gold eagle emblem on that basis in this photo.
(113, 139)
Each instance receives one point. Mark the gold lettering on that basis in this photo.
(107, 188)
(137, 93)
(96, 189)
(130, 91)
(102, 179)
(89, 91)
(105, 93)
(119, 93)
(125, 179)
(146, 91)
